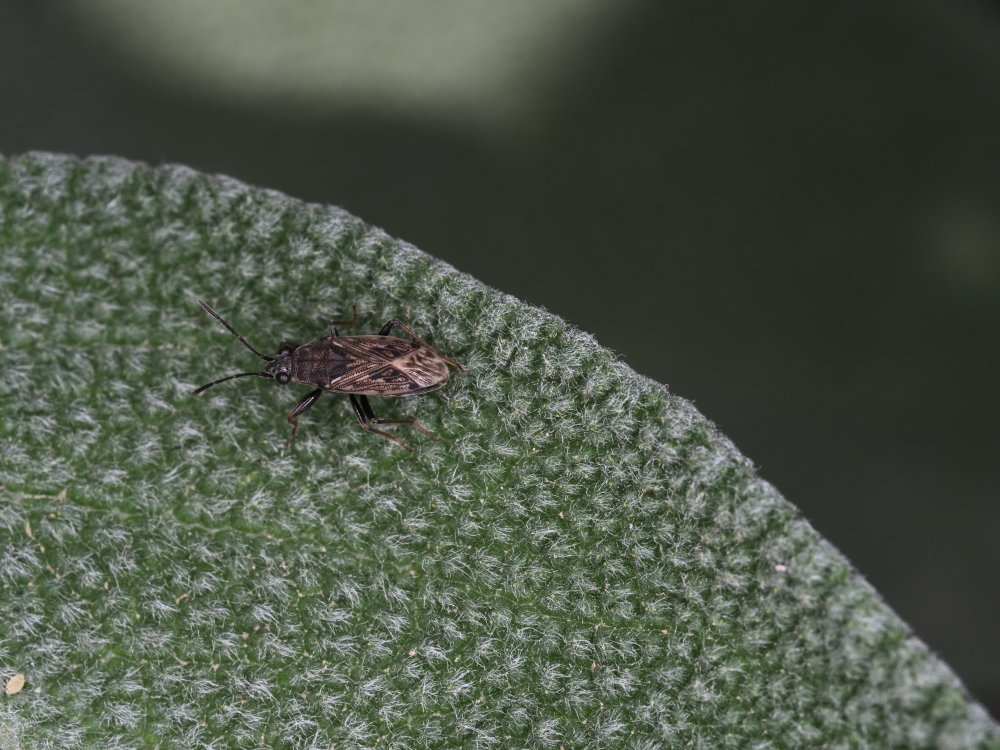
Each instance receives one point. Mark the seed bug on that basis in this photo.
(358, 366)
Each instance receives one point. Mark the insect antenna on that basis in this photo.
(233, 331)
(230, 377)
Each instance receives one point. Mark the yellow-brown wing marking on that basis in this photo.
(423, 367)
(384, 365)
(413, 370)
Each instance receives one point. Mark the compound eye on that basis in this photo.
(282, 378)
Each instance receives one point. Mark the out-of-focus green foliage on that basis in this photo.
(441, 60)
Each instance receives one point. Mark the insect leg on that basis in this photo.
(394, 322)
(352, 321)
(293, 415)
(367, 407)
(366, 417)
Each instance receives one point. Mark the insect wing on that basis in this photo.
(386, 366)
(376, 348)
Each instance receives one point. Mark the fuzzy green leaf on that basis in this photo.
(580, 561)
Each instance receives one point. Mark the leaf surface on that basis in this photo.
(582, 560)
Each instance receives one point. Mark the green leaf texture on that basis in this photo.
(581, 560)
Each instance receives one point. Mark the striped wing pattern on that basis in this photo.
(384, 366)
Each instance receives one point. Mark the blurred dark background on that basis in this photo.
(789, 212)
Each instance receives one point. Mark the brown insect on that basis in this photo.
(359, 366)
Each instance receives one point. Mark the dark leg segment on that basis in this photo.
(394, 322)
(366, 418)
(352, 321)
(366, 405)
(293, 415)
(364, 421)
